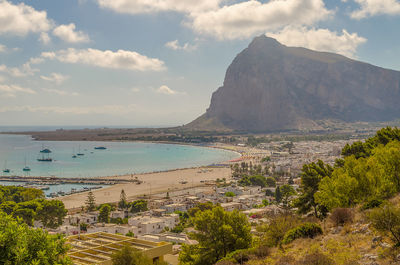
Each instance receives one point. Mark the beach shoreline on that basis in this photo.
(151, 184)
(160, 181)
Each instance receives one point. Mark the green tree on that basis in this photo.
(269, 193)
(138, 206)
(278, 194)
(218, 233)
(83, 226)
(271, 182)
(273, 232)
(8, 206)
(19, 194)
(27, 211)
(21, 245)
(311, 176)
(129, 256)
(26, 214)
(357, 149)
(338, 191)
(287, 191)
(256, 180)
(52, 213)
(230, 194)
(90, 202)
(104, 213)
(382, 137)
(32, 194)
(265, 159)
(200, 207)
(123, 203)
(359, 180)
(386, 219)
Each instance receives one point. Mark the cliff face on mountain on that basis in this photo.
(272, 87)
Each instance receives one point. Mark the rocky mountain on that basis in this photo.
(272, 87)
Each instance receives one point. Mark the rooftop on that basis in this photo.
(97, 248)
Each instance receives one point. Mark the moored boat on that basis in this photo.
(100, 148)
(45, 151)
(45, 159)
(6, 170)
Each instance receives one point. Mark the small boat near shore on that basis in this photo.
(100, 148)
(26, 168)
(45, 151)
(79, 152)
(45, 159)
(6, 170)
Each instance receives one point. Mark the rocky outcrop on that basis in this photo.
(272, 87)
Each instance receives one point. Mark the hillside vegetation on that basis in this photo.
(348, 213)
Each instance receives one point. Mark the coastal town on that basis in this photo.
(160, 216)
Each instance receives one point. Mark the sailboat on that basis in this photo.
(45, 150)
(6, 170)
(79, 152)
(73, 153)
(26, 168)
(45, 159)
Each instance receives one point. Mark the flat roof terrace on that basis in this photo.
(97, 248)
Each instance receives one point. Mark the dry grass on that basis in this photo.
(347, 247)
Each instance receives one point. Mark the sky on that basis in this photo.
(157, 62)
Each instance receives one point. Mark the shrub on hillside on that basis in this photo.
(341, 216)
(271, 182)
(386, 219)
(373, 203)
(275, 230)
(305, 230)
(230, 194)
(242, 255)
(316, 258)
(286, 260)
(225, 262)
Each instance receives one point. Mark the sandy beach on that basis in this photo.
(152, 183)
(159, 182)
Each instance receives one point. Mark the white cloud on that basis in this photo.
(24, 70)
(376, 7)
(21, 19)
(245, 19)
(55, 77)
(44, 38)
(4, 48)
(236, 21)
(67, 33)
(60, 92)
(320, 39)
(153, 6)
(174, 45)
(36, 60)
(120, 59)
(165, 90)
(77, 110)
(13, 90)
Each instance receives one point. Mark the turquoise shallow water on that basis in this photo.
(119, 157)
(66, 187)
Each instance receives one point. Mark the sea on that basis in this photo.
(119, 158)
